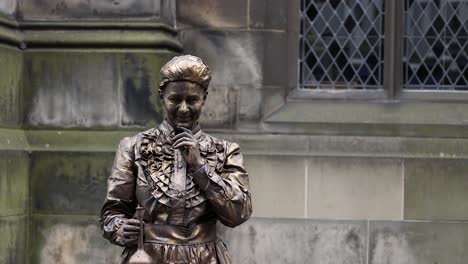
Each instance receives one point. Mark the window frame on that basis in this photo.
(387, 112)
(393, 70)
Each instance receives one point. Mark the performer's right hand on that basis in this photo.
(129, 231)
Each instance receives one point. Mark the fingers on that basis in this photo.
(130, 228)
(185, 143)
(182, 135)
(130, 241)
(186, 129)
(184, 140)
(133, 222)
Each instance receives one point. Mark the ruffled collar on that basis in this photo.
(157, 160)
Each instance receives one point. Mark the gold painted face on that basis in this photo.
(183, 102)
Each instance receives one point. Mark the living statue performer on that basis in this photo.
(181, 179)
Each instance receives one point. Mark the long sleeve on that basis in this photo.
(227, 192)
(120, 201)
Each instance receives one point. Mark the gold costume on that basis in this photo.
(181, 207)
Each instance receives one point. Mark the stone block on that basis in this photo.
(168, 12)
(277, 185)
(211, 13)
(87, 9)
(436, 189)
(239, 58)
(233, 57)
(354, 188)
(269, 144)
(272, 99)
(8, 7)
(139, 95)
(417, 242)
(70, 240)
(220, 110)
(69, 182)
(297, 241)
(71, 89)
(11, 60)
(92, 88)
(13, 240)
(13, 139)
(268, 14)
(250, 104)
(275, 67)
(14, 167)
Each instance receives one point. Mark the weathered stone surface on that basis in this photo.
(233, 57)
(13, 139)
(441, 148)
(250, 103)
(293, 145)
(13, 240)
(212, 13)
(239, 58)
(220, 108)
(268, 14)
(168, 12)
(76, 141)
(71, 89)
(11, 60)
(13, 183)
(272, 99)
(139, 96)
(355, 188)
(356, 146)
(277, 185)
(8, 7)
(417, 242)
(69, 183)
(275, 67)
(70, 240)
(87, 9)
(297, 241)
(436, 189)
(92, 89)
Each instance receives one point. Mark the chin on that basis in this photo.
(186, 125)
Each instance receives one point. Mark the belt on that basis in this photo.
(177, 235)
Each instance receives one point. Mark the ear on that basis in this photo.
(204, 97)
(161, 94)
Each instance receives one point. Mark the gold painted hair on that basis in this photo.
(185, 68)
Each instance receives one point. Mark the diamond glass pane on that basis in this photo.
(435, 55)
(341, 44)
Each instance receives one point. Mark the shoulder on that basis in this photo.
(129, 142)
(219, 144)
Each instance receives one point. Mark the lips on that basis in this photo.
(184, 118)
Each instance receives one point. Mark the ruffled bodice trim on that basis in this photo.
(157, 161)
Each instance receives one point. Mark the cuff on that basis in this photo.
(117, 237)
(207, 180)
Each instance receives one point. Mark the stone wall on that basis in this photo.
(387, 180)
(14, 180)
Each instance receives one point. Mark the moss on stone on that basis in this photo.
(94, 88)
(13, 240)
(69, 183)
(69, 239)
(13, 183)
(11, 61)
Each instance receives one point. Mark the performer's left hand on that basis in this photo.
(188, 144)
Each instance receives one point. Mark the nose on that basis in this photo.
(183, 107)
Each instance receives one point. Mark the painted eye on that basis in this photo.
(174, 100)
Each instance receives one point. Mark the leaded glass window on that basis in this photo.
(435, 45)
(341, 44)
